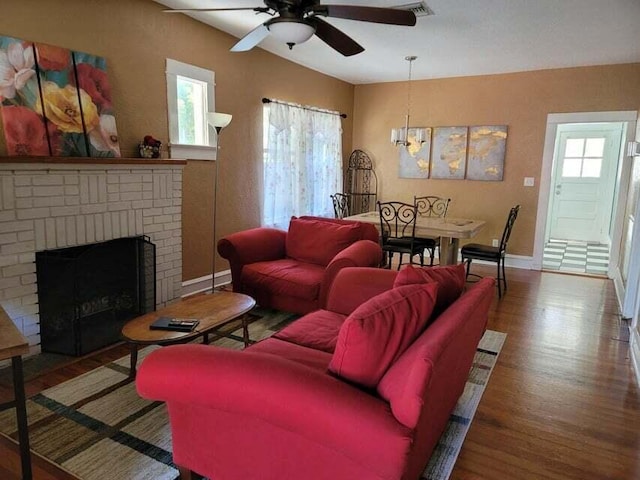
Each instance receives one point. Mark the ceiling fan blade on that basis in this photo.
(187, 10)
(390, 16)
(251, 39)
(335, 38)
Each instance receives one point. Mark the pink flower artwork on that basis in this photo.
(55, 102)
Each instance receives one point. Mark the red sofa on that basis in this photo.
(293, 270)
(295, 405)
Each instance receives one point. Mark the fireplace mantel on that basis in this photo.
(93, 161)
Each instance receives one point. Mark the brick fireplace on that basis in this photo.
(55, 203)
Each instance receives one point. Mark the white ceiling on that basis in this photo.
(464, 37)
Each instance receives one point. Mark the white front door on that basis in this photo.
(584, 176)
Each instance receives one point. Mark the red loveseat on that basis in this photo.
(316, 402)
(293, 270)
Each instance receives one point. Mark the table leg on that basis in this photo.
(453, 251)
(449, 250)
(134, 360)
(245, 330)
(444, 250)
(21, 414)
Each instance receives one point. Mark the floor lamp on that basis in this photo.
(217, 121)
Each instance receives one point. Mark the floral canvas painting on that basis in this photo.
(449, 152)
(414, 159)
(24, 128)
(92, 79)
(487, 147)
(55, 102)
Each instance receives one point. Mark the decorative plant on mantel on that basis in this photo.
(55, 102)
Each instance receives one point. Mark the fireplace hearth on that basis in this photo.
(87, 293)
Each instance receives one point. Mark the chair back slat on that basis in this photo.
(341, 204)
(431, 206)
(513, 214)
(397, 220)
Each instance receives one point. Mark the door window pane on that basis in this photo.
(574, 147)
(192, 101)
(571, 167)
(594, 147)
(591, 167)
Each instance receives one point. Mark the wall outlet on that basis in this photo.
(495, 242)
(529, 181)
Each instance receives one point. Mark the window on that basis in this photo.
(302, 162)
(190, 95)
(583, 157)
(192, 109)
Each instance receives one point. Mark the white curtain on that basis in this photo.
(302, 163)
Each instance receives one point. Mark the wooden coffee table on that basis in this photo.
(214, 311)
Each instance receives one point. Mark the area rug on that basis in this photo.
(96, 427)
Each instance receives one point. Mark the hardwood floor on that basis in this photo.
(562, 402)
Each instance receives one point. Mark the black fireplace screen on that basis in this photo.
(86, 294)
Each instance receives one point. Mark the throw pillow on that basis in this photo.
(377, 332)
(318, 241)
(451, 279)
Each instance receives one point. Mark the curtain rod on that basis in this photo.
(268, 100)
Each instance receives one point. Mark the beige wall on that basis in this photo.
(136, 38)
(521, 101)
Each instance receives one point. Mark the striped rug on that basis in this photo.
(96, 427)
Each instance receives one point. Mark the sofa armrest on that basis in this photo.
(275, 390)
(363, 253)
(249, 246)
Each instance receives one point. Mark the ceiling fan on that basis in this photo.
(295, 21)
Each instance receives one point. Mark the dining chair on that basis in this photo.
(341, 203)
(431, 206)
(398, 227)
(492, 254)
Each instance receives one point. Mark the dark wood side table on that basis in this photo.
(13, 345)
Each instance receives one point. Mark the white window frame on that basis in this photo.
(196, 152)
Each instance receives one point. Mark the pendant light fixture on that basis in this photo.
(400, 136)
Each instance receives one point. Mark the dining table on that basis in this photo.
(449, 229)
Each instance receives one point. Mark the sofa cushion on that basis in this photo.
(318, 330)
(379, 330)
(368, 231)
(286, 277)
(315, 359)
(451, 279)
(317, 241)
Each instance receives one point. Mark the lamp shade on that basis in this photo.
(290, 31)
(219, 120)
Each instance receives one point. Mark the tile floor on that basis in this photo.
(576, 257)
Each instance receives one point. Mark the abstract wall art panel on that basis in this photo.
(414, 159)
(487, 147)
(55, 102)
(449, 153)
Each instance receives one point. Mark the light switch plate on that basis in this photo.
(529, 181)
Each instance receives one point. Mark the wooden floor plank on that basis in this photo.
(562, 402)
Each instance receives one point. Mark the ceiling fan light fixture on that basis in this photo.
(291, 31)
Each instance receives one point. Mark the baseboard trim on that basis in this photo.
(203, 284)
(634, 347)
(619, 289)
(513, 261)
